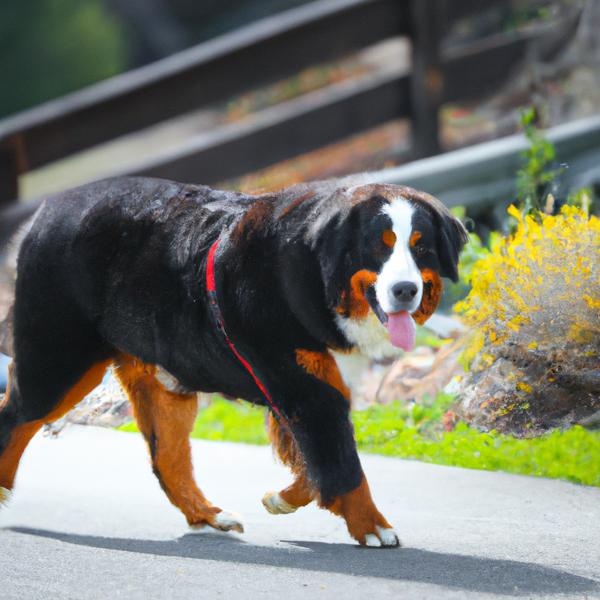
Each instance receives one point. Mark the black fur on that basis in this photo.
(119, 266)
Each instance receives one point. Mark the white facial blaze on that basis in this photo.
(400, 266)
(369, 336)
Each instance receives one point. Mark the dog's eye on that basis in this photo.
(388, 237)
(420, 250)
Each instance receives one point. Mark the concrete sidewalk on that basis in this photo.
(88, 520)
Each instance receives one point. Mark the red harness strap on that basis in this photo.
(211, 288)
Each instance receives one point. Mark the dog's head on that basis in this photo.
(382, 260)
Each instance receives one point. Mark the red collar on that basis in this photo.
(211, 289)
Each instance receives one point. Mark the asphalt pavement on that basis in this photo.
(88, 520)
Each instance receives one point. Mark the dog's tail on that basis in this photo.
(15, 222)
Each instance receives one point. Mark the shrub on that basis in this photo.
(535, 312)
(540, 285)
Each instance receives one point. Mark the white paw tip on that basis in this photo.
(5, 495)
(372, 540)
(228, 521)
(276, 505)
(387, 536)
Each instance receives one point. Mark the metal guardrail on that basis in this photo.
(484, 175)
(480, 177)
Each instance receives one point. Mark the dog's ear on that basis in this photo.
(333, 250)
(452, 235)
(341, 246)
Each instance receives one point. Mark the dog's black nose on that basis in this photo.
(404, 291)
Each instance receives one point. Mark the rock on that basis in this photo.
(417, 376)
(528, 392)
(106, 406)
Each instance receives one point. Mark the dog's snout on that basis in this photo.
(404, 291)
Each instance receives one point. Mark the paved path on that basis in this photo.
(88, 520)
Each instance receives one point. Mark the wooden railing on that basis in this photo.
(268, 51)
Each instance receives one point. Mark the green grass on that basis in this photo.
(414, 432)
(573, 455)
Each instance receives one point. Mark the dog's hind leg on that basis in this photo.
(300, 492)
(21, 416)
(166, 420)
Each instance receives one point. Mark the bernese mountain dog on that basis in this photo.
(185, 289)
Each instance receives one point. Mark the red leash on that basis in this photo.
(211, 288)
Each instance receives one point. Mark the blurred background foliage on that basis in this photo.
(48, 49)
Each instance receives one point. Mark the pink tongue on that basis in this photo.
(402, 330)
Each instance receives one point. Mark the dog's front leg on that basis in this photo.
(318, 411)
(365, 523)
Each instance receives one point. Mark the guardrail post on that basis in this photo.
(9, 169)
(427, 83)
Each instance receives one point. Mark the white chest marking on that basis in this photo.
(368, 335)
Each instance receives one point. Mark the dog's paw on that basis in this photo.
(385, 537)
(228, 521)
(276, 505)
(223, 520)
(4, 495)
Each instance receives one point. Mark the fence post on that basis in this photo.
(427, 83)
(9, 170)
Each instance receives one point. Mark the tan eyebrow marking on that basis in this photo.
(388, 237)
(414, 238)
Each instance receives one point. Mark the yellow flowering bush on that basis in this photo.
(534, 308)
(542, 284)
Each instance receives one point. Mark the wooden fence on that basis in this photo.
(268, 51)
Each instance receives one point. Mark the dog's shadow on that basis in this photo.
(408, 564)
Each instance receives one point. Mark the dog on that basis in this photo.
(184, 289)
